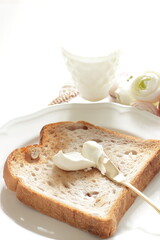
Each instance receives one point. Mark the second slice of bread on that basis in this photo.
(84, 199)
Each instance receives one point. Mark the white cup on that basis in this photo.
(92, 76)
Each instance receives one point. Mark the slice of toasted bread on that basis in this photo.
(84, 199)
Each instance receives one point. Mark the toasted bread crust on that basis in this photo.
(103, 227)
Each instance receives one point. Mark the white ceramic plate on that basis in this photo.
(21, 222)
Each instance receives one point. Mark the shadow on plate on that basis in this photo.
(39, 223)
(48, 227)
(142, 218)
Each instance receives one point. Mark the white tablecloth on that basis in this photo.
(32, 68)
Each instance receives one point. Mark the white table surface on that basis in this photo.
(32, 68)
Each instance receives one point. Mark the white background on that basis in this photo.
(32, 68)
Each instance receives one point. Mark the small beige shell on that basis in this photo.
(67, 92)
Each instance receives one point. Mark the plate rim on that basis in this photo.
(64, 106)
(71, 106)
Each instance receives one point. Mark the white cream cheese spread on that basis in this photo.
(92, 155)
